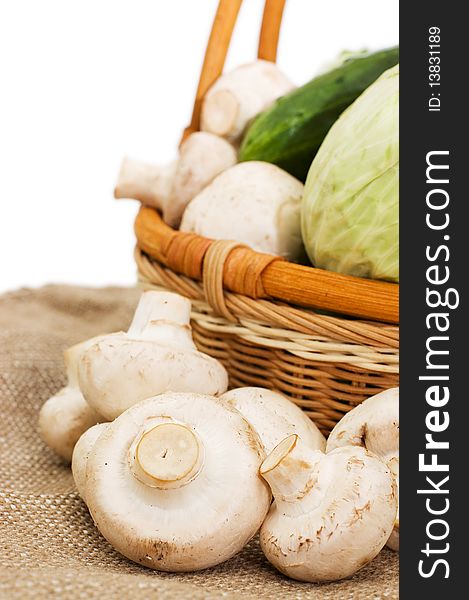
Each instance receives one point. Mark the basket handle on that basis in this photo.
(219, 42)
(270, 29)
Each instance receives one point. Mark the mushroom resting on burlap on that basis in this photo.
(156, 355)
(374, 425)
(174, 484)
(332, 513)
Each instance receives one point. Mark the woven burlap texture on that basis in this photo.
(49, 545)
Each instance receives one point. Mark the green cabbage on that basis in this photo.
(350, 207)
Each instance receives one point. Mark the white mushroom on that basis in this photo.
(239, 95)
(373, 424)
(148, 183)
(81, 453)
(332, 513)
(274, 417)
(66, 416)
(202, 156)
(255, 203)
(156, 355)
(173, 482)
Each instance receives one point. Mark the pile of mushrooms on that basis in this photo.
(205, 192)
(228, 106)
(177, 472)
(157, 443)
(109, 373)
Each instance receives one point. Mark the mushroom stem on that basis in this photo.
(163, 317)
(170, 188)
(288, 469)
(168, 455)
(150, 184)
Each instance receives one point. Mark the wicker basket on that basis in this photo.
(327, 341)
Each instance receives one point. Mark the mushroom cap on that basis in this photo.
(373, 424)
(118, 372)
(274, 417)
(204, 521)
(80, 456)
(338, 521)
(202, 156)
(63, 419)
(253, 202)
(393, 541)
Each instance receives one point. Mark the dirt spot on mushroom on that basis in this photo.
(363, 434)
(276, 547)
(159, 550)
(309, 484)
(306, 541)
(358, 513)
(355, 462)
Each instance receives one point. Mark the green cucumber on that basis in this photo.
(289, 133)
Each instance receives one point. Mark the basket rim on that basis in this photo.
(259, 275)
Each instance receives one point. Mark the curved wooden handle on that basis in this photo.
(219, 42)
(274, 278)
(215, 55)
(270, 29)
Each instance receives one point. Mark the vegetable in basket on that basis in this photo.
(169, 188)
(254, 203)
(239, 95)
(290, 132)
(228, 105)
(350, 208)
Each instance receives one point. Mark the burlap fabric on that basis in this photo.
(49, 545)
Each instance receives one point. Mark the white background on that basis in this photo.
(85, 82)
